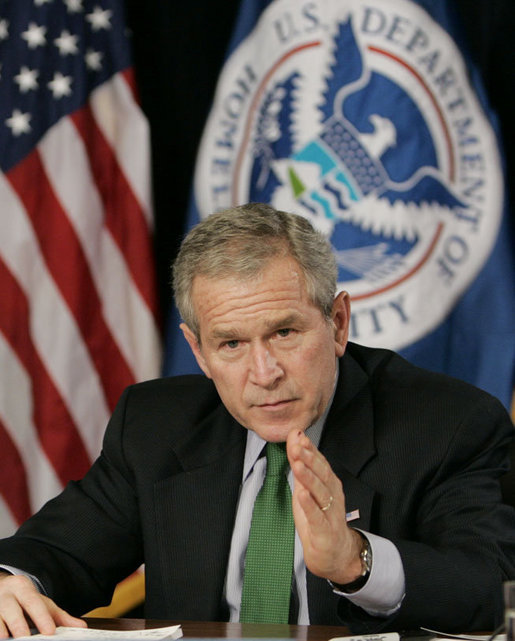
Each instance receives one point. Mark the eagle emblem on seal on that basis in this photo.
(369, 179)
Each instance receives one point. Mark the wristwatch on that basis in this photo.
(366, 566)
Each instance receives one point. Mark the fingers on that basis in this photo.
(20, 600)
(331, 549)
(313, 473)
(18, 596)
(61, 617)
(12, 619)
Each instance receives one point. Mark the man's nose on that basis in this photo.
(265, 369)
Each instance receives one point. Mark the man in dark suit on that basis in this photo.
(395, 471)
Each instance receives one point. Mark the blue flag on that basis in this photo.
(369, 119)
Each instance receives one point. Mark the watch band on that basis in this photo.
(366, 566)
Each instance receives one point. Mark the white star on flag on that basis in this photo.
(18, 122)
(93, 59)
(74, 6)
(4, 32)
(35, 35)
(99, 18)
(27, 79)
(60, 85)
(67, 43)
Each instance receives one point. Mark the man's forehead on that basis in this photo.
(279, 283)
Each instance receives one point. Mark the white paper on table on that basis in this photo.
(92, 634)
(469, 637)
(444, 636)
(386, 636)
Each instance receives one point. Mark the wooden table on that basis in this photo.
(203, 629)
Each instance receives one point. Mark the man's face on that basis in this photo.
(269, 351)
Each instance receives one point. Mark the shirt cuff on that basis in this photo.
(383, 593)
(18, 572)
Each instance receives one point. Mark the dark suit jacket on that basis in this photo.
(419, 455)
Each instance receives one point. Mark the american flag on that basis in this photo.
(77, 291)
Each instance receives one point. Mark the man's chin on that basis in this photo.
(276, 433)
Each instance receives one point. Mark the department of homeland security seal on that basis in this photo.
(360, 116)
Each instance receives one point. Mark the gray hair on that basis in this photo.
(240, 241)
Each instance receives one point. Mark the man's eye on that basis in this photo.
(284, 332)
(231, 344)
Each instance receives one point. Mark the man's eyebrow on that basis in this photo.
(270, 326)
(284, 321)
(225, 334)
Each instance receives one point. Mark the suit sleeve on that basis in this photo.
(83, 542)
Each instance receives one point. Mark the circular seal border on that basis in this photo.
(417, 318)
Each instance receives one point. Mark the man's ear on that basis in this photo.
(195, 348)
(341, 319)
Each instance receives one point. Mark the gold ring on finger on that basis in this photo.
(328, 504)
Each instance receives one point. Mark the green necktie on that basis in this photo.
(269, 559)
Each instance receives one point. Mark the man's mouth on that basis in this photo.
(275, 404)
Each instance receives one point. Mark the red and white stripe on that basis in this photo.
(78, 311)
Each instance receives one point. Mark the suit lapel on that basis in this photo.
(195, 511)
(348, 444)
